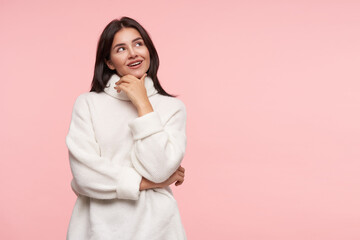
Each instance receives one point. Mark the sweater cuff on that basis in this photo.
(129, 184)
(146, 125)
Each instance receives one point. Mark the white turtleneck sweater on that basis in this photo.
(110, 149)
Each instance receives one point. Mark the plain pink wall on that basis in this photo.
(273, 97)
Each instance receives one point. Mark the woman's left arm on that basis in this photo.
(159, 143)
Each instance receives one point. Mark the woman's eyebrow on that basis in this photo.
(121, 44)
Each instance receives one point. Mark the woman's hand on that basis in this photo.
(136, 91)
(177, 176)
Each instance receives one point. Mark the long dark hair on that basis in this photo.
(102, 72)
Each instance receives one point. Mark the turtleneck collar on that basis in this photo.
(109, 88)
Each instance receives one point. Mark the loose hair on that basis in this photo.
(102, 72)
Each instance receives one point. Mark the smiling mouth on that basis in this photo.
(135, 64)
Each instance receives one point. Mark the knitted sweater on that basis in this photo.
(110, 149)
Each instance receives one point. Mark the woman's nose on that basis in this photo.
(132, 52)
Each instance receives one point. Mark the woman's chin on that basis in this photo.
(136, 73)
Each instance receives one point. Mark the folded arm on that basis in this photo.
(159, 147)
(93, 175)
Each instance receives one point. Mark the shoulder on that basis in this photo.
(171, 103)
(86, 96)
(171, 108)
(83, 100)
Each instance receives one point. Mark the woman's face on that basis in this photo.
(128, 54)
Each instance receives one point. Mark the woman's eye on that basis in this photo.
(138, 44)
(121, 49)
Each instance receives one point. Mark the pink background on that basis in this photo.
(272, 93)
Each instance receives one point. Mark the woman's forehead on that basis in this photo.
(126, 36)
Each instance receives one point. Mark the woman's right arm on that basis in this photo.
(93, 175)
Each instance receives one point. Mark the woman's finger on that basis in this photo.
(127, 78)
(123, 81)
(181, 178)
(180, 182)
(121, 85)
(124, 84)
(143, 77)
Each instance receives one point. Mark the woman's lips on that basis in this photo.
(136, 66)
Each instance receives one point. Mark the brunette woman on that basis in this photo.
(126, 141)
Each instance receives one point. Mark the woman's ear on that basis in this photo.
(109, 64)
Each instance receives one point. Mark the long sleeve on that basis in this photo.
(159, 147)
(93, 175)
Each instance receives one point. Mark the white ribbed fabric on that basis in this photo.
(110, 150)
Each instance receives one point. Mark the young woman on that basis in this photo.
(126, 141)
